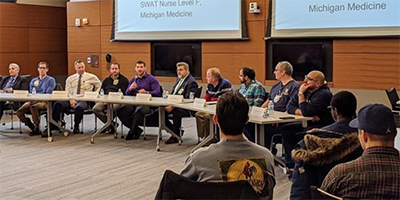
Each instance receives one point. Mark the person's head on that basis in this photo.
(43, 68)
(231, 113)
(376, 126)
(79, 67)
(13, 69)
(213, 75)
(315, 79)
(114, 69)
(283, 69)
(140, 68)
(247, 74)
(343, 104)
(182, 69)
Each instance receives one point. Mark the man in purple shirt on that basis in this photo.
(130, 115)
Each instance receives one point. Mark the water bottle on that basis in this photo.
(165, 94)
(271, 109)
(101, 92)
(33, 91)
(191, 96)
(119, 90)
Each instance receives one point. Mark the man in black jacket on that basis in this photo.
(312, 101)
(10, 83)
(185, 84)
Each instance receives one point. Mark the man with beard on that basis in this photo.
(130, 115)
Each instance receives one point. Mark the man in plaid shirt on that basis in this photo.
(254, 92)
(376, 174)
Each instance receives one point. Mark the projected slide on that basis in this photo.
(168, 19)
(336, 17)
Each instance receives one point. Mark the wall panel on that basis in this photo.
(373, 46)
(366, 71)
(47, 17)
(106, 12)
(90, 10)
(47, 40)
(256, 44)
(107, 46)
(13, 15)
(127, 62)
(84, 39)
(14, 40)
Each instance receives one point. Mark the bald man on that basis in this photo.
(312, 100)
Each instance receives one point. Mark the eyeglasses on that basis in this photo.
(241, 75)
(42, 67)
(308, 78)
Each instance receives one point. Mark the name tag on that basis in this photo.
(59, 94)
(143, 97)
(115, 95)
(91, 95)
(200, 103)
(20, 93)
(257, 111)
(175, 99)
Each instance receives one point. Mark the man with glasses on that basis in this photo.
(312, 100)
(183, 86)
(43, 84)
(280, 95)
(10, 83)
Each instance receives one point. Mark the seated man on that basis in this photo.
(280, 95)
(233, 157)
(43, 84)
(254, 92)
(215, 88)
(376, 174)
(183, 86)
(10, 83)
(312, 101)
(130, 115)
(112, 83)
(324, 148)
(76, 84)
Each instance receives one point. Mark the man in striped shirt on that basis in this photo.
(376, 174)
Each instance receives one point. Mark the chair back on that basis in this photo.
(393, 98)
(58, 87)
(317, 193)
(175, 186)
(198, 92)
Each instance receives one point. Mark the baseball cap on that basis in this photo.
(375, 119)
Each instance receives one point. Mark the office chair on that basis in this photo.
(152, 117)
(175, 186)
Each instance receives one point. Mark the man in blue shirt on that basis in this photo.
(130, 115)
(43, 84)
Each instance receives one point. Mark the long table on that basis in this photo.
(210, 109)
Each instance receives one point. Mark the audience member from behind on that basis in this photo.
(233, 157)
(312, 101)
(254, 92)
(43, 84)
(116, 81)
(322, 149)
(376, 174)
(216, 87)
(10, 83)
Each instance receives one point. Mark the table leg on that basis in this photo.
(110, 117)
(208, 139)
